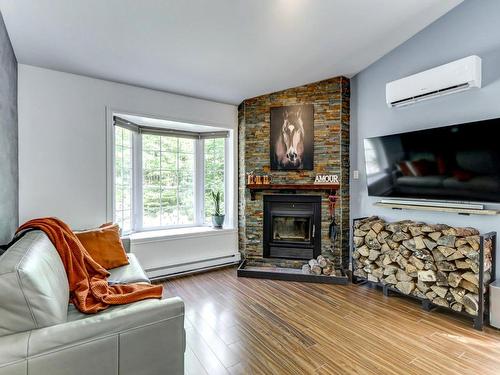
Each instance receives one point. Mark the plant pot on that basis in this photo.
(217, 221)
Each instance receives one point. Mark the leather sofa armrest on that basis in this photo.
(114, 321)
(13, 349)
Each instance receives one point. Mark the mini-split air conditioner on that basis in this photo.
(459, 75)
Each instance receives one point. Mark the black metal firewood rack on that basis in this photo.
(482, 316)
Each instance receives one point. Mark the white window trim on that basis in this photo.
(137, 204)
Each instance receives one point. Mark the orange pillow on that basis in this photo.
(104, 245)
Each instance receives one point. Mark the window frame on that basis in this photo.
(137, 182)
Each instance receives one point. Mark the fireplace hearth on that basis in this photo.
(292, 226)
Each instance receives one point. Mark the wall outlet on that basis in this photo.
(355, 175)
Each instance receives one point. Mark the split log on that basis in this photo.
(469, 286)
(377, 226)
(471, 303)
(391, 279)
(435, 235)
(405, 287)
(438, 255)
(358, 241)
(423, 254)
(400, 236)
(322, 261)
(456, 255)
(441, 278)
(448, 241)
(471, 277)
(473, 242)
(458, 294)
(359, 273)
(390, 269)
(410, 244)
(425, 276)
(359, 233)
(416, 262)
(401, 260)
(439, 301)
(403, 276)
(454, 279)
(415, 230)
(328, 270)
(382, 236)
(422, 286)
(316, 269)
(446, 266)
(411, 270)
(456, 306)
(429, 243)
(371, 240)
(373, 255)
(419, 243)
(429, 265)
(431, 295)
(439, 290)
(312, 263)
(446, 250)
(378, 273)
(385, 248)
(364, 251)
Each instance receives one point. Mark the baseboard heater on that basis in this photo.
(192, 267)
(425, 203)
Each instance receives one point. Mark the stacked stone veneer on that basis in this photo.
(331, 156)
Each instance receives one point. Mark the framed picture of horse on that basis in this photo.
(292, 137)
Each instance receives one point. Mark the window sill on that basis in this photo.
(177, 233)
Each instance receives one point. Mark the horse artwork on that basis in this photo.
(292, 137)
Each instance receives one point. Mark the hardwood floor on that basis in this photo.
(250, 326)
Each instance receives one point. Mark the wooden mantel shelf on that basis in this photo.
(330, 188)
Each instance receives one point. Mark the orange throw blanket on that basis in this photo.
(88, 285)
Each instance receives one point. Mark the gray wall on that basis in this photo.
(9, 176)
(471, 28)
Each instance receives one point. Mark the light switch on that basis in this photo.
(355, 175)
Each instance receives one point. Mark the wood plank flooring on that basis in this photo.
(251, 326)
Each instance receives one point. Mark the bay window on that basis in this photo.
(163, 177)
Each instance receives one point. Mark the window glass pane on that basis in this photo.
(123, 178)
(168, 169)
(214, 174)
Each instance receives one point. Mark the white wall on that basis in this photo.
(62, 140)
(451, 37)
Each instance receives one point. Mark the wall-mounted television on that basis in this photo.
(452, 163)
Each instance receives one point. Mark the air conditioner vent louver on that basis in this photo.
(446, 79)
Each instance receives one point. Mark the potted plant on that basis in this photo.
(217, 216)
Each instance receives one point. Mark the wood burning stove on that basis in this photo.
(292, 226)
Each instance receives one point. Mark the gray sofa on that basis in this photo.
(41, 334)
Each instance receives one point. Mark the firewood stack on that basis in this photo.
(435, 262)
(321, 266)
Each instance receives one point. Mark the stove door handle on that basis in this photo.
(314, 231)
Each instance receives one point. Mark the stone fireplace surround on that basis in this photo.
(331, 156)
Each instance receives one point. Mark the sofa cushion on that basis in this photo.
(34, 289)
(131, 273)
(104, 245)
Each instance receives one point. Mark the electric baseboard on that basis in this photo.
(194, 266)
(425, 203)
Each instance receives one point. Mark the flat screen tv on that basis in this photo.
(451, 163)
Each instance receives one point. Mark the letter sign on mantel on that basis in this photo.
(326, 179)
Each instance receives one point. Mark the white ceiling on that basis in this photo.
(223, 50)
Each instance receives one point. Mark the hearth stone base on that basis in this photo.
(284, 269)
